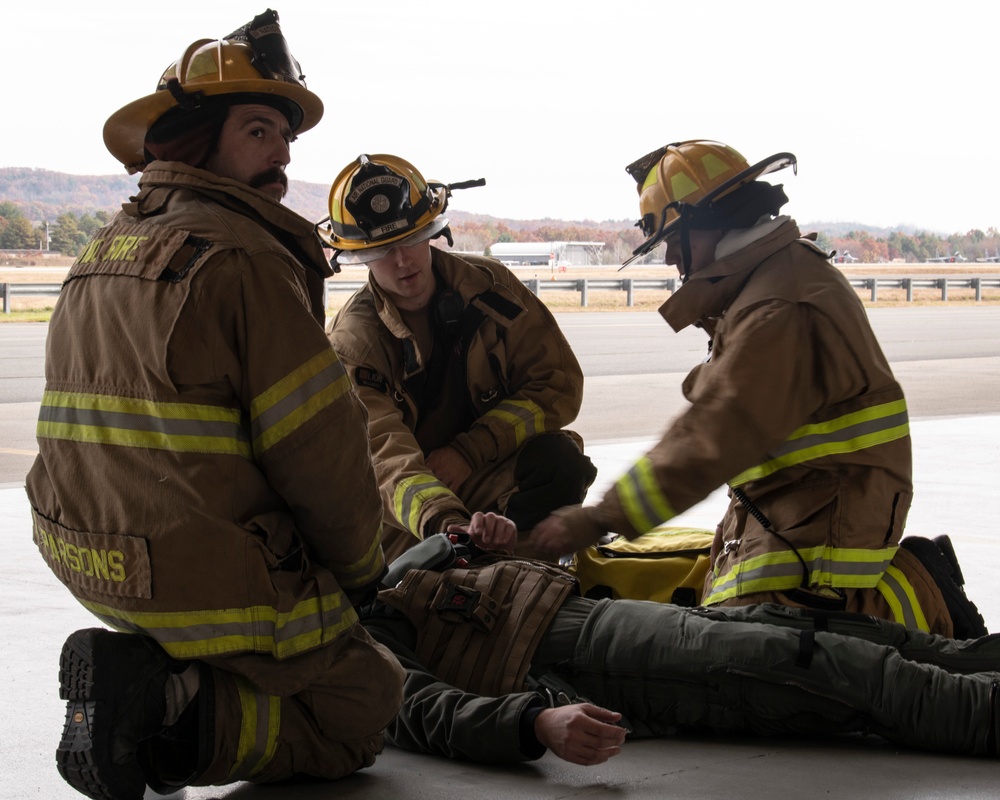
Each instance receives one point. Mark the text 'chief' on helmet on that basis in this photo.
(381, 201)
(688, 181)
(250, 65)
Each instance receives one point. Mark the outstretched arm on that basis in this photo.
(581, 733)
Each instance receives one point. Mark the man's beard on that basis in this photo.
(272, 175)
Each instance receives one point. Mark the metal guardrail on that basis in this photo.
(630, 286)
(926, 282)
(9, 290)
(584, 285)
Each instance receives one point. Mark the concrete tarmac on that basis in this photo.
(957, 476)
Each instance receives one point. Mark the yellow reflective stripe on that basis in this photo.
(312, 623)
(296, 399)
(838, 567)
(525, 418)
(850, 433)
(902, 599)
(366, 569)
(133, 422)
(642, 500)
(410, 496)
(259, 724)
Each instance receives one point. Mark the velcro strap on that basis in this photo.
(468, 604)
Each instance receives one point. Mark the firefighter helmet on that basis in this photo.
(686, 180)
(381, 201)
(253, 63)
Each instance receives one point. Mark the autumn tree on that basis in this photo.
(66, 235)
(16, 231)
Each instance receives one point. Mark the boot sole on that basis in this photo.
(82, 754)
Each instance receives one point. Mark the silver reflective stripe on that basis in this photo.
(849, 433)
(525, 418)
(642, 500)
(297, 398)
(259, 725)
(899, 593)
(132, 422)
(312, 623)
(410, 496)
(845, 568)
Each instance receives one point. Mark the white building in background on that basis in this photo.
(548, 254)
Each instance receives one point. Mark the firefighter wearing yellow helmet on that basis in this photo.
(468, 381)
(795, 408)
(251, 65)
(380, 201)
(204, 483)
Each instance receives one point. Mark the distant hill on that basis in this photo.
(43, 195)
(837, 229)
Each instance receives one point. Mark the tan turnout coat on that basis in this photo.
(204, 473)
(522, 379)
(797, 409)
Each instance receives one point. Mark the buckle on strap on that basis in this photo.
(468, 605)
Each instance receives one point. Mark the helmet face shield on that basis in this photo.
(271, 57)
(438, 227)
(641, 168)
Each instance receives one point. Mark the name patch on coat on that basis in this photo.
(366, 376)
(101, 563)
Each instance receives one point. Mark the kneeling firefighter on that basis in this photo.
(795, 408)
(468, 381)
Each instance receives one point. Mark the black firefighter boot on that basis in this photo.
(114, 685)
(939, 559)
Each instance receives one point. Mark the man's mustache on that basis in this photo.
(272, 175)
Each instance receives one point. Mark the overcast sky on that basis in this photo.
(891, 107)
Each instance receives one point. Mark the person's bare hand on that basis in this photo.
(449, 467)
(562, 534)
(581, 733)
(489, 531)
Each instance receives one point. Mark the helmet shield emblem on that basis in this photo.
(379, 201)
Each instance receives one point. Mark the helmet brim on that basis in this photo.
(125, 130)
(429, 231)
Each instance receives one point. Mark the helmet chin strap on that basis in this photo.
(685, 266)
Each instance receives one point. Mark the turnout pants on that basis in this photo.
(918, 604)
(327, 729)
(776, 670)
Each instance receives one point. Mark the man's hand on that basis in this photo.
(581, 733)
(489, 531)
(449, 467)
(564, 532)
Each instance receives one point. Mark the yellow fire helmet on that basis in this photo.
(252, 62)
(381, 201)
(685, 182)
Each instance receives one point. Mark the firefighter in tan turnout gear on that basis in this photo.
(795, 408)
(204, 484)
(467, 379)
